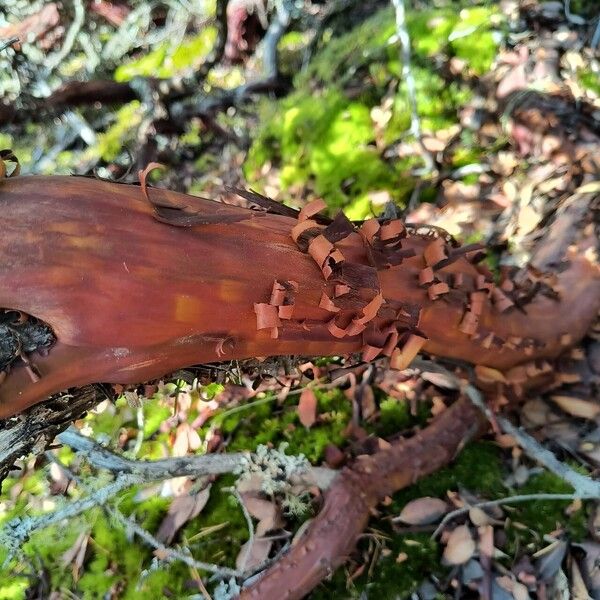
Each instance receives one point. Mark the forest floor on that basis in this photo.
(503, 133)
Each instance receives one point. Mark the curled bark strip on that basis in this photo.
(370, 353)
(341, 289)
(271, 206)
(143, 176)
(402, 357)
(320, 248)
(302, 227)
(455, 253)
(369, 311)
(267, 316)
(277, 294)
(311, 209)
(434, 253)
(501, 300)
(426, 276)
(340, 228)
(329, 540)
(327, 304)
(369, 229)
(392, 231)
(437, 289)
(469, 323)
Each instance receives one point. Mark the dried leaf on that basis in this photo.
(577, 407)
(183, 509)
(440, 380)
(253, 553)
(423, 511)
(551, 559)
(75, 555)
(590, 566)
(307, 408)
(460, 546)
(267, 513)
(489, 375)
(592, 187)
(367, 402)
(478, 517)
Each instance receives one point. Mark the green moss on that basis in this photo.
(589, 80)
(323, 137)
(474, 38)
(394, 416)
(477, 468)
(13, 590)
(155, 412)
(110, 143)
(267, 423)
(542, 517)
(223, 546)
(167, 60)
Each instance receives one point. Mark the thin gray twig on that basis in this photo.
(173, 553)
(78, 19)
(408, 78)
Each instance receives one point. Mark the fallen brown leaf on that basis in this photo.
(423, 511)
(182, 509)
(307, 408)
(460, 546)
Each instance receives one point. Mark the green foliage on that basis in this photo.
(473, 39)
(589, 80)
(13, 590)
(395, 416)
(328, 136)
(167, 60)
(110, 143)
(267, 423)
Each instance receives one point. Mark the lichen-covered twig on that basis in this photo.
(409, 81)
(584, 486)
(170, 553)
(195, 465)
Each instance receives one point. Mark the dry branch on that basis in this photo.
(330, 539)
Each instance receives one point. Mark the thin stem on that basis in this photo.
(508, 500)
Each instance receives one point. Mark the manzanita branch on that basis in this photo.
(135, 283)
(356, 490)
